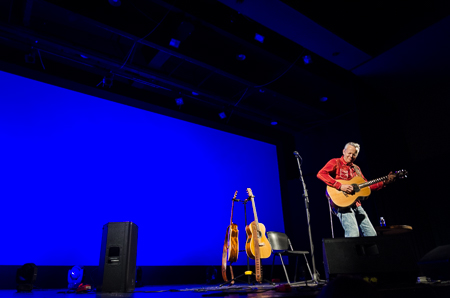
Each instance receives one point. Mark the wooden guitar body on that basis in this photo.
(343, 199)
(361, 189)
(230, 249)
(233, 243)
(264, 245)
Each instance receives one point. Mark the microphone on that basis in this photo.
(296, 154)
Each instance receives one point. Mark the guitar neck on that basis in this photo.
(258, 266)
(231, 218)
(232, 207)
(369, 183)
(255, 214)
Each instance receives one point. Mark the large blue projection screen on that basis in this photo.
(73, 162)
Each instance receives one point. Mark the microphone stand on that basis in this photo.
(305, 195)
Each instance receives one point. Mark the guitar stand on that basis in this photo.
(248, 272)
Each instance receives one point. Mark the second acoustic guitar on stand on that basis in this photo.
(264, 245)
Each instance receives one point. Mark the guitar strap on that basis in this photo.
(358, 172)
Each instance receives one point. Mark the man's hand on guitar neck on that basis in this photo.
(347, 188)
(390, 179)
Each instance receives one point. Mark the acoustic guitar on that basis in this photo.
(231, 245)
(361, 189)
(260, 238)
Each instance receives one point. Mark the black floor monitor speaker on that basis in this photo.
(385, 259)
(436, 263)
(117, 267)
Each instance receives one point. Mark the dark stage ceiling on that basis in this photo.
(126, 49)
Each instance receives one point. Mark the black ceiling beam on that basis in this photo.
(24, 38)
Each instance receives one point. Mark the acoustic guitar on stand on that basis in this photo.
(361, 189)
(257, 246)
(231, 245)
(263, 243)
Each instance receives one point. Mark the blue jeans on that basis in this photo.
(351, 218)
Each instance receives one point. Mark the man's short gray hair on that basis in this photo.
(356, 145)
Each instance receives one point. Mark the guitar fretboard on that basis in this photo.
(369, 183)
(255, 243)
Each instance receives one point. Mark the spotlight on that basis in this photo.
(323, 99)
(84, 56)
(179, 101)
(74, 277)
(240, 57)
(273, 123)
(194, 93)
(25, 277)
(259, 37)
(174, 43)
(115, 3)
(222, 115)
(307, 59)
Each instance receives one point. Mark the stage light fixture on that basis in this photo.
(241, 57)
(222, 115)
(115, 3)
(259, 37)
(307, 59)
(179, 101)
(25, 277)
(108, 80)
(74, 277)
(273, 123)
(323, 98)
(174, 43)
(194, 93)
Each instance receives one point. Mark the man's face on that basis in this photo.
(350, 154)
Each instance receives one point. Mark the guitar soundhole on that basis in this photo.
(355, 188)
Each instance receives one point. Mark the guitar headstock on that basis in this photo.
(250, 193)
(401, 174)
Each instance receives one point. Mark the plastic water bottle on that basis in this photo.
(382, 222)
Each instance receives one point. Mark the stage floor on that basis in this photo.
(436, 290)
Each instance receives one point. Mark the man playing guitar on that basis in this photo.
(344, 169)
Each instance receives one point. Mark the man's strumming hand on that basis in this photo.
(347, 188)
